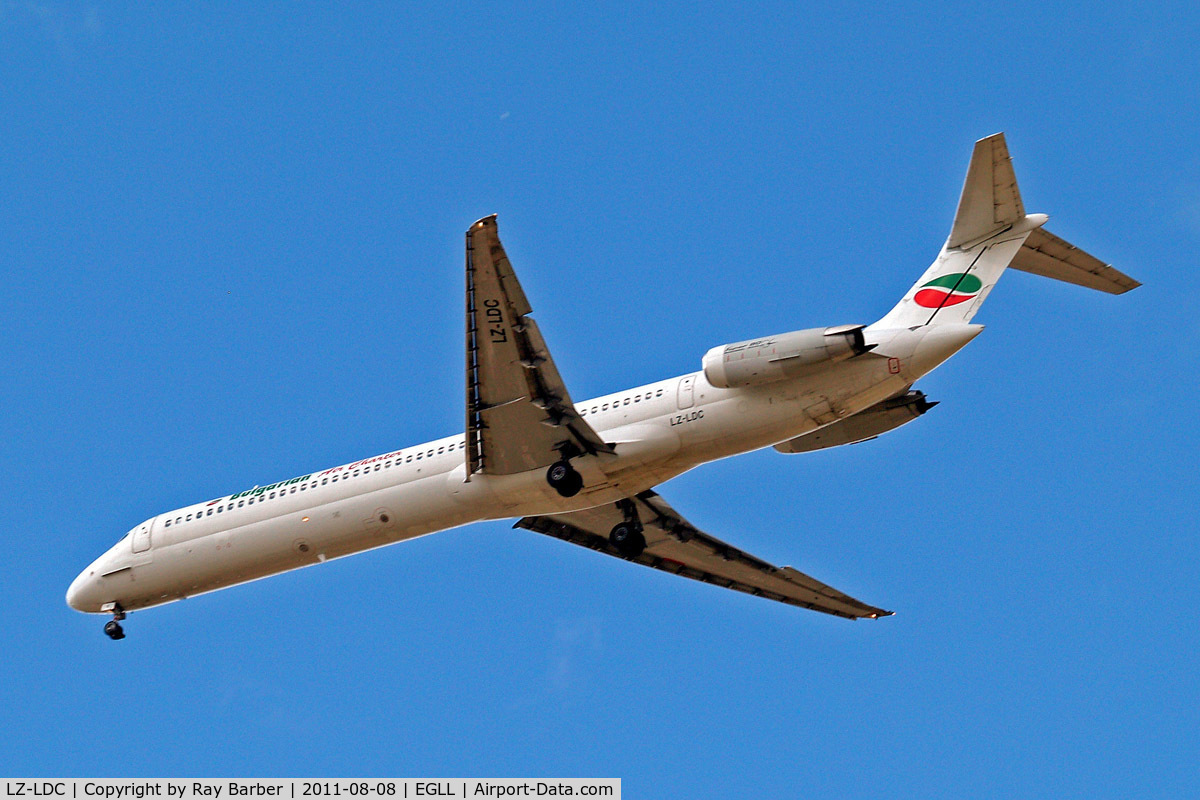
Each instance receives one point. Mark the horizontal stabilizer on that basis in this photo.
(1049, 256)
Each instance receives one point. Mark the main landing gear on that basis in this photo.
(564, 478)
(113, 628)
(627, 536)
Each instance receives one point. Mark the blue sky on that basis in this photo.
(233, 253)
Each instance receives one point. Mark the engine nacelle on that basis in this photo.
(879, 418)
(786, 355)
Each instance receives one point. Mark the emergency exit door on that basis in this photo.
(141, 537)
(687, 392)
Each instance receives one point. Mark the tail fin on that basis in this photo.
(990, 198)
(991, 232)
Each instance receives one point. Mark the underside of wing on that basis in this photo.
(519, 414)
(674, 545)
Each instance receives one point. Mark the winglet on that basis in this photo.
(990, 199)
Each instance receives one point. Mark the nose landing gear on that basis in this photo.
(113, 628)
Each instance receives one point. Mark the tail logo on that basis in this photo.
(948, 290)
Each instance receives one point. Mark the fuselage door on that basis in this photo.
(687, 392)
(141, 537)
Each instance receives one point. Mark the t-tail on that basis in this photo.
(992, 232)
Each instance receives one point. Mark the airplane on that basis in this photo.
(585, 472)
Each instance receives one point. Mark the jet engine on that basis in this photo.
(786, 355)
(867, 424)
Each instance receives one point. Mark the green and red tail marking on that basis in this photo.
(948, 290)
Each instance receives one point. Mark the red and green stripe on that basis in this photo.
(948, 290)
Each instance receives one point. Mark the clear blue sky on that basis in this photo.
(232, 253)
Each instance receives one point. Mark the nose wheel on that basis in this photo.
(112, 628)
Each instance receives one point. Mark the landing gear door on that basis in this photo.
(141, 536)
(687, 392)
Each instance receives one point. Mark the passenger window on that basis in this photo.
(659, 393)
(387, 464)
(430, 453)
(241, 503)
(408, 459)
(209, 514)
(420, 456)
(441, 450)
(167, 524)
(604, 407)
(189, 518)
(220, 509)
(272, 495)
(637, 398)
(377, 468)
(626, 401)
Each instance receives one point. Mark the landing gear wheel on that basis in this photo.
(114, 630)
(628, 539)
(563, 477)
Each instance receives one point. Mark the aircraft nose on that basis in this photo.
(81, 593)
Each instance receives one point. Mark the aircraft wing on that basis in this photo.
(674, 545)
(519, 414)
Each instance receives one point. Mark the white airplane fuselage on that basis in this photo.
(660, 430)
(584, 472)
